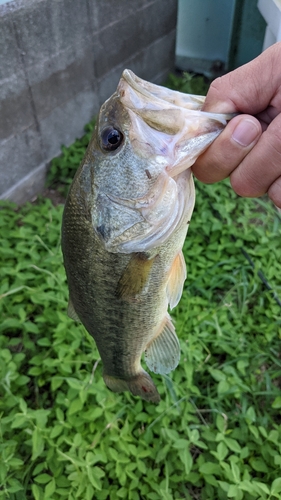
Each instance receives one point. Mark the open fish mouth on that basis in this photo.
(156, 94)
(159, 98)
(170, 123)
(166, 131)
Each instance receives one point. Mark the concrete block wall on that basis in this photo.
(59, 61)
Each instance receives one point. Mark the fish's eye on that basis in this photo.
(111, 139)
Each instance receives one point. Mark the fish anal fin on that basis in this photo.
(162, 354)
(135, 276)
(139, 385)
(71, 311)
(177, 277)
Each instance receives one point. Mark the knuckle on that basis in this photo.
(238, 186)
(216, 85)
(245, 187)
(273, 136)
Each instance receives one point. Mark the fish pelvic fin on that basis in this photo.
(135, 276)
(139, 385)
(162, 354)
(176, 280)
(71, 311)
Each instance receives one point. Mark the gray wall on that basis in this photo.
(59, 60)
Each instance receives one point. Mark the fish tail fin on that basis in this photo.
(139, 385)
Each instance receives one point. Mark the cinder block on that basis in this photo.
(107, 83)
(116, 43)
(16, 113)
(156, 61)
(152, 63)
(157, 20)
(66, 122)
(20, 154)
(127, 37)
(10, 60)
(106, 12)
(48, 27)
(63, 85)
(60, 60)
(27, 187)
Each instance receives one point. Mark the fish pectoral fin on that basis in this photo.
(71, 311)
(135, 276)
(176, 280)
(162, 355)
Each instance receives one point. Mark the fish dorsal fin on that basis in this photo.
(176, 280)
(162, 355)
(71, 311)
(135, 276)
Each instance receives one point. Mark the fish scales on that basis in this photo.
(93, 291)
(124, 225)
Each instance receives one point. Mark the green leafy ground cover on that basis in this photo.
(216, 433)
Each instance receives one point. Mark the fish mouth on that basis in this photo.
(159, 94)
(170, 123)
(164, 98)
(169, 131)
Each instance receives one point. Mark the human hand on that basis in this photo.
(249, 148)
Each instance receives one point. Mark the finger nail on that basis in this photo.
(245, 132)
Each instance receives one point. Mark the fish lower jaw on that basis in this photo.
(139, 385)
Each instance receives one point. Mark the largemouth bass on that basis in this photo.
(124, 224)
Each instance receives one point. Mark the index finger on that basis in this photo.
(248, 89)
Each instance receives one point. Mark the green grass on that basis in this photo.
(216, 433)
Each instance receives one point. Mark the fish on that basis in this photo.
(124, 224)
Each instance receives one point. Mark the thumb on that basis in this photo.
(228, 150)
